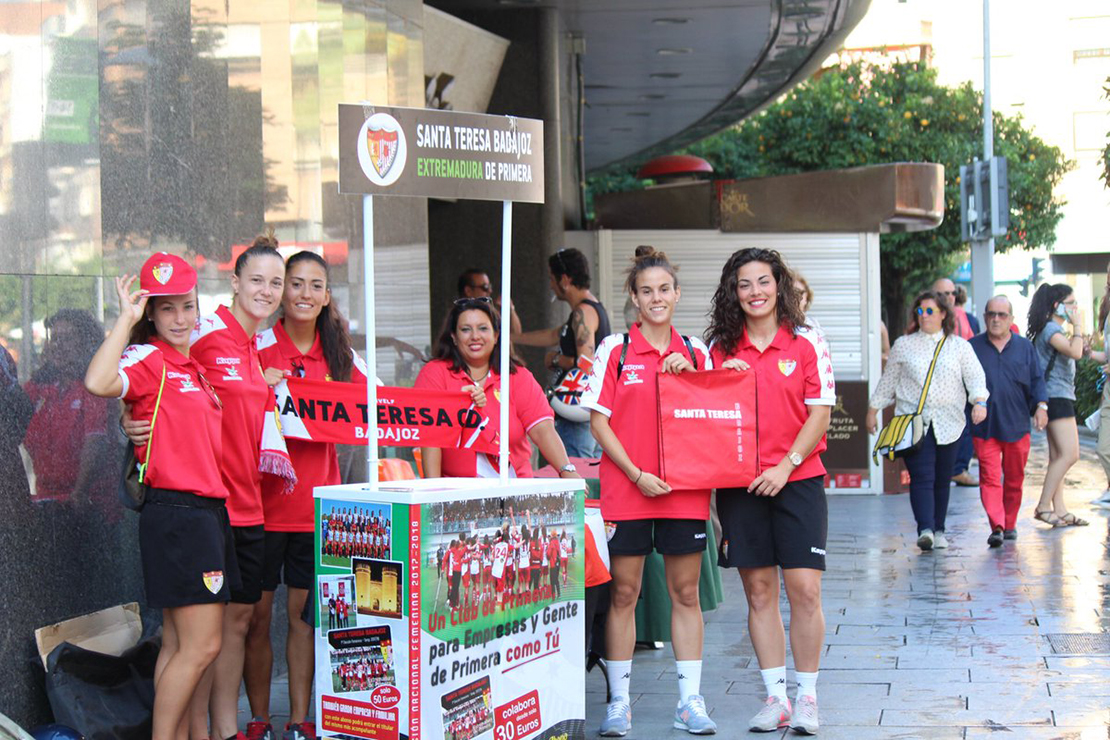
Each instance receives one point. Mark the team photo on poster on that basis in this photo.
(467, 711)
(351, 530)
(361, 658)
(497, 555)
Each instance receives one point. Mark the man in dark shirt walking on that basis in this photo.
(1015, 380)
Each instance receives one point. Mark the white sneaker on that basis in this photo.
(618, 719)
(925, 540)
(774, 716)
(804, 719)
(940, 542)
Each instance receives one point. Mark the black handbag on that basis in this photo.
(132, 485)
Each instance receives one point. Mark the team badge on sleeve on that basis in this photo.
(786, 367)
(214, 580)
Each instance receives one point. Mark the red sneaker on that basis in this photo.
(259, 729)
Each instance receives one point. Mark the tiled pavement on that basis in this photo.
(948, 644)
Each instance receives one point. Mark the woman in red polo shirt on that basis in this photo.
(622, 396)
(224, 344)
(309, 341)
(185, 540)
(470, 338)
(781, 519)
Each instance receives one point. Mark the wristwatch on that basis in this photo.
(795, 459)
(1042, 405)
(568, 468)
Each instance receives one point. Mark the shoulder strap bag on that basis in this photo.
(904, 434)
(132, 485)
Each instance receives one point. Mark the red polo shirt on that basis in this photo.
(230, 362)
(793, 373)
(528, 407)
(187, 433)
(316, 463)
(631, 401)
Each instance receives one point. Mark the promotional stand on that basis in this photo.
(447, 608)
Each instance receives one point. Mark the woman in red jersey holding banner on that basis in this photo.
(645, 513)
(185, 540)
(466, 354)
(309, 341)
(781, 519)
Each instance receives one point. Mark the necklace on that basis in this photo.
(477, 381)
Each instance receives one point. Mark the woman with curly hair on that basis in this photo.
(780, 521)
(1051, 308)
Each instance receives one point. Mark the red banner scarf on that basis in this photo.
(325, 411)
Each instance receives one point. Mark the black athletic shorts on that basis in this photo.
(250, 551)
(666, 536)
(187, 550)
(1061, 408)
(288, 560)
(788, 530)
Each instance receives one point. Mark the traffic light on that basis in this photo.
(1034, 277)
(984, 210)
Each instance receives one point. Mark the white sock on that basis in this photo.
(807, 684)
(775, 681)
(620, 675)
(689, 678)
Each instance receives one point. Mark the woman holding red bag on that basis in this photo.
(780, 521)
(645, 513)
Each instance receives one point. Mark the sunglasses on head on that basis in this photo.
(928, 311)
(471, 301)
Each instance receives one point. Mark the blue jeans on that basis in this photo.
(930, 469)
(577, 438)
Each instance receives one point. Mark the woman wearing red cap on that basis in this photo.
(309, 341)
(185, 541)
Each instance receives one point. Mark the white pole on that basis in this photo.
(371, 345)
(982, 250)
(506, 303)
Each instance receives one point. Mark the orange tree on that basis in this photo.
(863, 114)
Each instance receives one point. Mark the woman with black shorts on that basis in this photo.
(185, 541)
(1053, 307)
(622, 396)
(780, 521)
(309, 341)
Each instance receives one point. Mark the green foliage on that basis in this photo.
(1088, 394)
(864, 114)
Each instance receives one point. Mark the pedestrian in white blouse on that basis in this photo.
(957, 379)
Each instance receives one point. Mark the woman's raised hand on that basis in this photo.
(131, 305)
(477, 394)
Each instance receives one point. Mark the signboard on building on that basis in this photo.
(434, 153)
(847, 459)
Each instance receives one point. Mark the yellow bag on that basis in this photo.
(905, 433)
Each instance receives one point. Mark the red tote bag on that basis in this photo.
(707, 429)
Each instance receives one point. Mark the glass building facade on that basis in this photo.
(133, 126)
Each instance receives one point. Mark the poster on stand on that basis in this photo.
(468, 625)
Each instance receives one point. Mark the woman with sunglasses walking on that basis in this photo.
(956, 380)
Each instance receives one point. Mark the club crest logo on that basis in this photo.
(786, 367)
(162, 272)
(214, 580)
(382, 149)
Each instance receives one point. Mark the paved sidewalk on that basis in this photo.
(947, 644)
